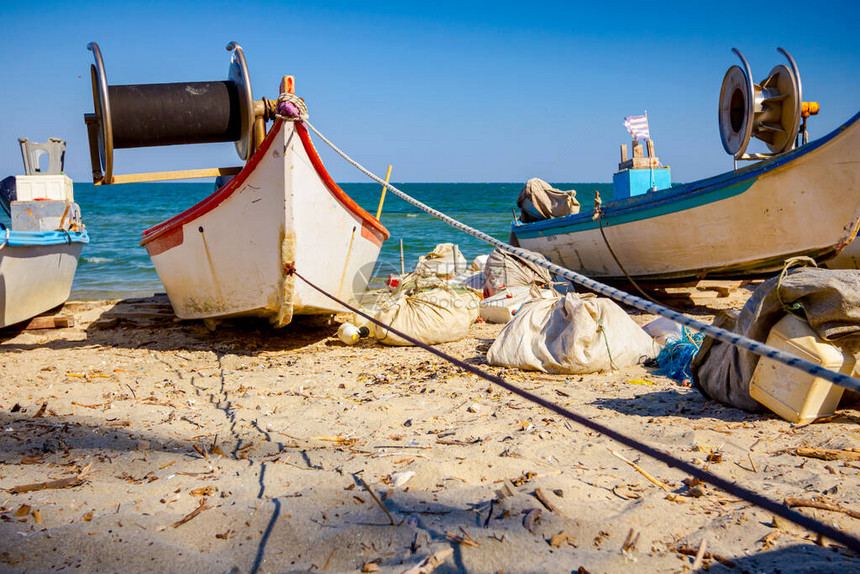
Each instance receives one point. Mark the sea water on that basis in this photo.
(113, 265)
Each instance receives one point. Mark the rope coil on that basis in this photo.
(291, 108)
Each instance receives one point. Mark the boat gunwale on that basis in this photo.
(43, 238)
(585, 221)
(221, 194)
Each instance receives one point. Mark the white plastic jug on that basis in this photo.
(793, 394)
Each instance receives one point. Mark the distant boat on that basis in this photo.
(231, 254)
(799, 200)
(39, 252)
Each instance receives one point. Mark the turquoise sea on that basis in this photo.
(113, 265)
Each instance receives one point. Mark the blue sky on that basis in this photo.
(445, 91)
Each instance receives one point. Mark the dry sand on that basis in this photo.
(263, 434)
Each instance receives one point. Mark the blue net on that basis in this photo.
(676, 357)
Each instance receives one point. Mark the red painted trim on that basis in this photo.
(335, 190)
(377, 232)
(372, 235)
(168, 240)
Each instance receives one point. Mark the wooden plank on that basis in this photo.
(171, 175)
(640, 163)
(51, 322)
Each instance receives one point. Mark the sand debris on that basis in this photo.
(821, 505)
(69, 482)
(650, 478)
(829, 454)
(200, 508)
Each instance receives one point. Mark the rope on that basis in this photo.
(602, 331)
(598, 214)
(729, 487)
(626, 298)
(291, 108)
(795, 308)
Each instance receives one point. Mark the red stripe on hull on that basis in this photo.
(335, 190)
(372, 235)
(167, 240)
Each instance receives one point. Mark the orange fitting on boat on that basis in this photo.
(809, 109)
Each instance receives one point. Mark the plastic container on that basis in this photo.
(662, 328)
(350, 334)
(791, 393)
(45, 215)
(32, 187)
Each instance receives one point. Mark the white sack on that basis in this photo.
(469, 279)
(571, 335)
(539, 200)
(479, 262)
(435, 316)
(501, 307)
(444, 260)
(506, 271)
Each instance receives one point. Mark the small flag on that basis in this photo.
(638, 127)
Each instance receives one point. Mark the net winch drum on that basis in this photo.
(769, 111)
(148, 115)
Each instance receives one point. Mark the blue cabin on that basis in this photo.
(639, 174)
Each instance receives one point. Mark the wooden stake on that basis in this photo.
(700, 556)
(170, 175)
(545, 500)
(382, 197)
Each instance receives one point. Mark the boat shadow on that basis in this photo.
(683, 402)
(149, 323)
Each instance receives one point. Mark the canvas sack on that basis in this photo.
(505, 271)
(539, 200)
(574, 334)
(445, 260)
(433, 316)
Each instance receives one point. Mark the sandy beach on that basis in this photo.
(249, 449)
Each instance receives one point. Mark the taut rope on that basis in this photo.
(626, 298)
(666, 458)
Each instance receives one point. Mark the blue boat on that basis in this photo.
(39, 251)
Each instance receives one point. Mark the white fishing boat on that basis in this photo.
(232, 254)
(40, 248)
(797, 200)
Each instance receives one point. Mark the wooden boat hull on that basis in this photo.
(229, 255)
(848, 258)
(36, 274)
(742, 223)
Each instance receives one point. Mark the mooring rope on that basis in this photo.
(626, 298)
(730, 487)
(598, 215)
